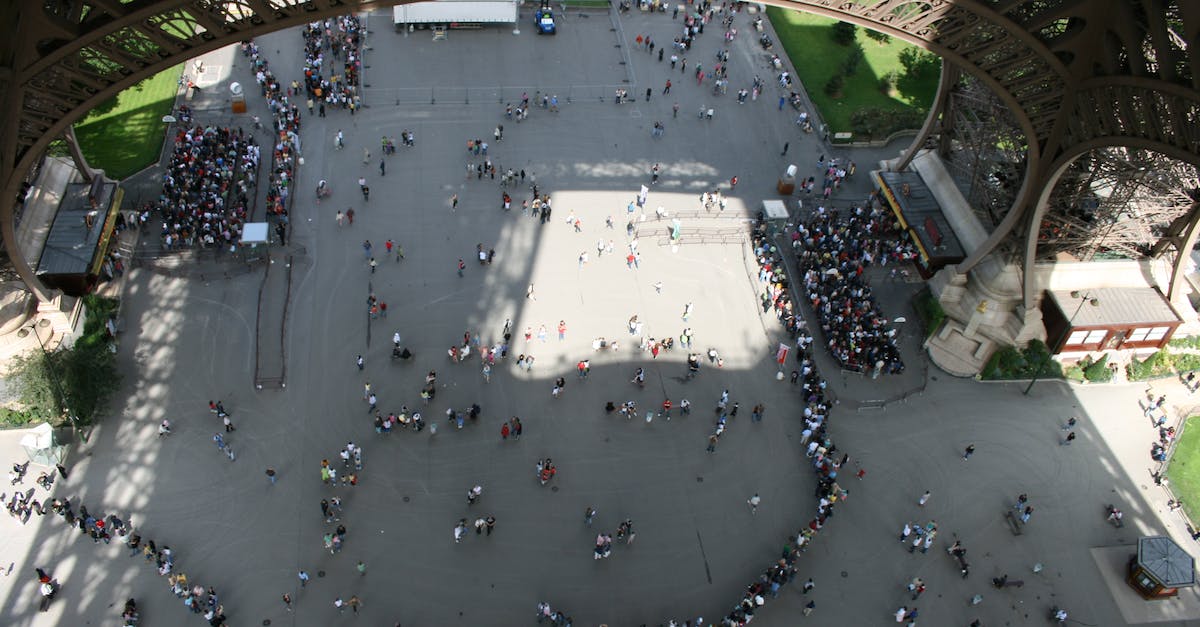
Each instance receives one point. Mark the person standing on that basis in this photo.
(753, 503)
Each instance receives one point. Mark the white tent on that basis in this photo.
(255, 238)
(40, 446)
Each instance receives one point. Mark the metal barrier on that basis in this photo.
(494, 95)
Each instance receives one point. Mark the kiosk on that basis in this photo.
(1160, 568)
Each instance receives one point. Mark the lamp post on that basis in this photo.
(51, 371)
(1084, 299)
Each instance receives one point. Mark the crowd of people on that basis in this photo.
(811, 388)
(285, 127)
(341, 38)
(833, 251)
(197, 598)
(208, 187)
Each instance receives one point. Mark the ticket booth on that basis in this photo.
(1160, 568)
(255, 238)
(775, 214)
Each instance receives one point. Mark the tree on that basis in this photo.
(71, 383)
(843, 33)
(833, 88)
(882, 38)
(32, 376)
(853, 60)
(918, 63)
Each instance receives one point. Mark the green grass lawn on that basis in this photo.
(125, 134)
(817, 57)
(1184, 469)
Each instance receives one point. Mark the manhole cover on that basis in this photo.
(699, 479)
(554, 488)
(406, 499)
(934, 378)
(845, 574)
(266, 621)
(320, 573)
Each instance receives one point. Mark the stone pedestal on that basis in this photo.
(984, 310)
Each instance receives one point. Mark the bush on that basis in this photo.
(930, 311)
(15, 418)
(875, 35)
(887, 83)
(1191, 341)
(1073, 373)
(1010, 363)
(1162, 363)
(877, 123)
(844, 33)
(1098, 372)
(1154, 366)
(833, 88)
(853, 60)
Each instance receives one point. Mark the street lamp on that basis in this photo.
(1084, 299)
(24, 332)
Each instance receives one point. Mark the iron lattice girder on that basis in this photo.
(1117, 200)
(1049, 58)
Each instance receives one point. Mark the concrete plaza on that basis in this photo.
(188, 341)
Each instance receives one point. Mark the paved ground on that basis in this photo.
(188, 341)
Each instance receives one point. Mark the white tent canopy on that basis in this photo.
(40, 446)
(455, 11)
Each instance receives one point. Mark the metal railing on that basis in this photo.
(493, 95)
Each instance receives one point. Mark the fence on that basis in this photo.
(491, 95)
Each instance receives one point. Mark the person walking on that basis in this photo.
(303, 576)
(361, 568)
(271, 475)
(1070, 424)
(164, 428)
(968, 452)
(785, 148)
(287, 601)
(809, 585)
(1070, 438)
(753, 503)
(924, 499)
(461, 266)
(712, 443)
(589, 515)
